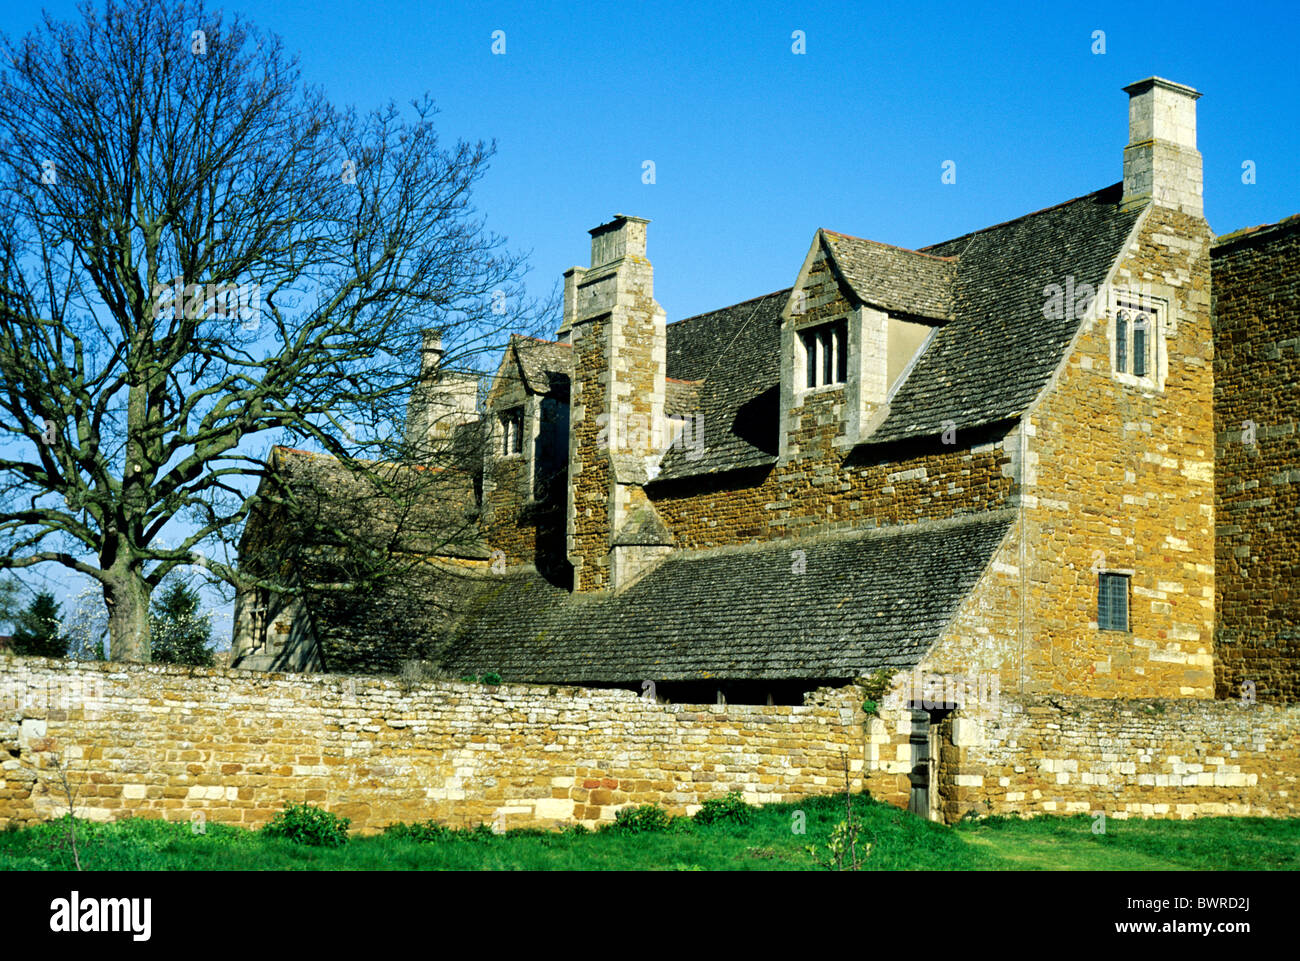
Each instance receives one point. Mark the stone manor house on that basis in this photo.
(1060, 453)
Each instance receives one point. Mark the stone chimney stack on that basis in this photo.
(441, 401)
(1161, 162)
(572, 278)
(617, 408)
(431, 352)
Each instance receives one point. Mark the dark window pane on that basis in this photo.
(512, 431)
(841, 354)
(1140, 345)
(810, 348)
(1121, 343)
(1112, 602)
(828, 355)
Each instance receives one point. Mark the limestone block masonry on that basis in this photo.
(159, 741)
(1127, 758)
(168, 742)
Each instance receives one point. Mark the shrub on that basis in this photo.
(875, 686)
(729, 809)
(422, 831)
(491, 678)
(640, 820)
(305, 824)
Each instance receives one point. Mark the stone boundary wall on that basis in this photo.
(160, 741)
(1176, 758)
(171, 742)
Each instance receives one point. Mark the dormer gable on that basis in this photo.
(855, 321)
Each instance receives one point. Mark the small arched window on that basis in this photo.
(1121, 342)
(1140, 328)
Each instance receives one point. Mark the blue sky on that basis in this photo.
(755, 146)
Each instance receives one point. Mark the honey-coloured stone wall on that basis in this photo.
(160, 741)
(1257, 458)
(1176, 758)
(1119, 477)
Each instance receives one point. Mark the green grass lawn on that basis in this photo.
(898, 841)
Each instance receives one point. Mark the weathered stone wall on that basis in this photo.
(150, 740)
(507, 526)
(984, 636)
(827, 493)
(158, 741)
(1118, 476)
(589, 467)
(1178, 758)
(1257, 452)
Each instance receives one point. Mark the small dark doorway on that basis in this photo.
(919, 802)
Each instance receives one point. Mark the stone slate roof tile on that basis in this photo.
(736, 352)
(995, 357)
(903, 282)
(681, 397)
(545, 363)
(877, 599)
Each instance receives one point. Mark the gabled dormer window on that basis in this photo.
(826, 354)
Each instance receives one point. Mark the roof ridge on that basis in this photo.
(881, 243)
(541, 340)
(1033, 213)
(739, 303)
(1259, 230)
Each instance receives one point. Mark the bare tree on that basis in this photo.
(198, 255)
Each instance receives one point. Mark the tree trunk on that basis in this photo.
(127, 596)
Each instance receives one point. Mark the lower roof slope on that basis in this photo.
(864, 601)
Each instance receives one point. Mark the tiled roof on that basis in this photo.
(902, 282)
(401, 507)
(681, 397)
(991, 357)
(994, 358)
(863, 601)
(372, 629)
(1257, 232)
(736, 352)
(545, 363)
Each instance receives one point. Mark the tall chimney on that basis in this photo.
(441, 402)
(617, 408)
(1161, 162)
